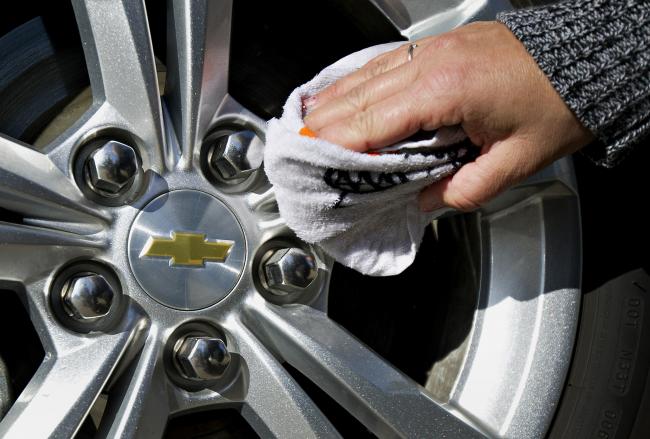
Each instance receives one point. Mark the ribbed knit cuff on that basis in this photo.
(596, 54)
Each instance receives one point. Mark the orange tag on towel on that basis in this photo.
(304, 131)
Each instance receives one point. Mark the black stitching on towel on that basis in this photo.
(441, 153)
(362, 182)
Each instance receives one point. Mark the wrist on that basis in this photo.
(596, 55)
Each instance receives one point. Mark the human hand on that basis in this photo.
(478, 76)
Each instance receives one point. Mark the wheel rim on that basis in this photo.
(61, 226)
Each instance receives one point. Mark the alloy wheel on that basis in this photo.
(188, 241)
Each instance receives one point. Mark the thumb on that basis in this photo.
(500, 166)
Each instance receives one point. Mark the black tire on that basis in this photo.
(609, 375)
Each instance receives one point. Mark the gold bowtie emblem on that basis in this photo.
(189, 249)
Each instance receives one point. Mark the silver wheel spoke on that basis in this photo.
(230, 110)
(382, 398)
(122, 69)
(262, 202)
(31, 185)
(23, 235)
(29, 253)
(59, 396)
(275, 405)
(138, 403)
(198, 56)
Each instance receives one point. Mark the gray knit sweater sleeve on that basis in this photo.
(597, 55)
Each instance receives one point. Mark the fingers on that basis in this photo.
(375, 67)
(466, 190)
(362, 96)
(367, 129)
(477, 182)
(393, 105)
(382, 123)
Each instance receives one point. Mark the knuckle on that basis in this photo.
(445, 78)
(384, 57)
(412, 110)
(376, 67)
(445, 85)
(334, 90)
(446, 41)
(362, 125)
(357, 98)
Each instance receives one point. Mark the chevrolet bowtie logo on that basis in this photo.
(188, 249)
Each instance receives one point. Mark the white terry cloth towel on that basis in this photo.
(360, 208)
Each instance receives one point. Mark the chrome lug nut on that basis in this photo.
(111, 168)
(237, 155)
(289, 270)
(88, 297)
(201, 357)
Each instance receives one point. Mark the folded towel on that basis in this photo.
(360, 208)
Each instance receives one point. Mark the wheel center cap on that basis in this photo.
(187, 249)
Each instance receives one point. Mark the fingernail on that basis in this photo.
(308, 105)
(310, 101)
(304, 131)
